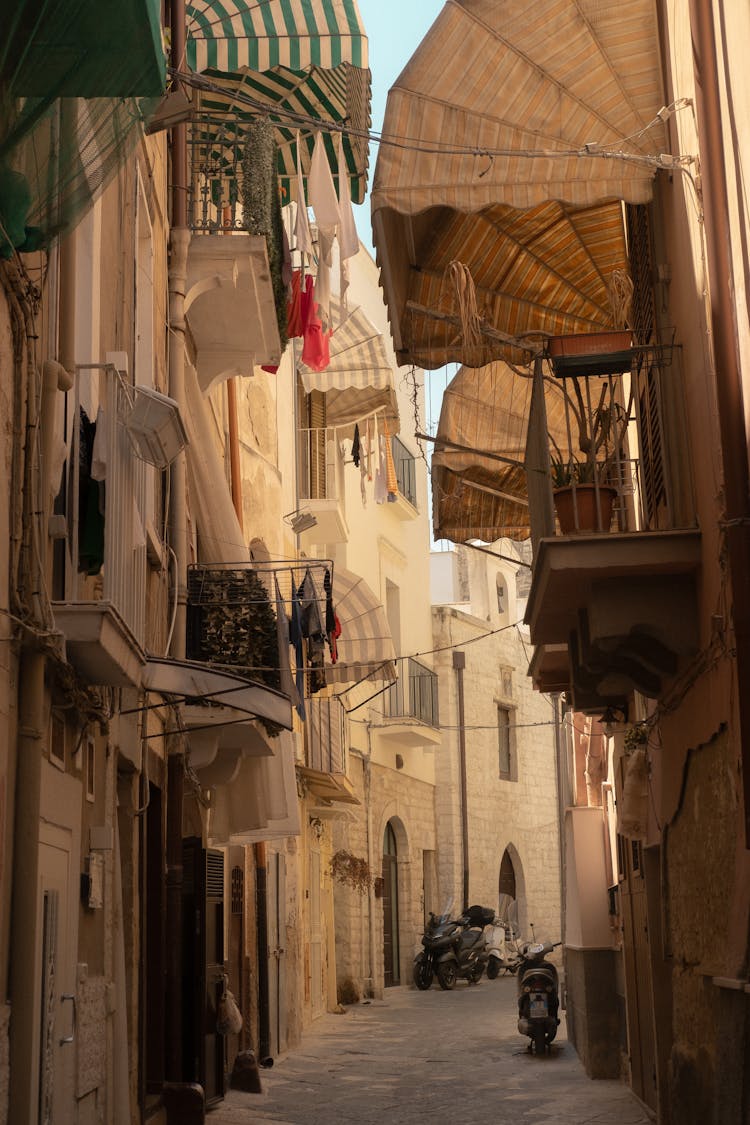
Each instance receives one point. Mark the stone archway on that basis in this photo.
(511, 888)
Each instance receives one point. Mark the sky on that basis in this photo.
(394, 28)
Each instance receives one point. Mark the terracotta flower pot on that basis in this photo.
(585, 503)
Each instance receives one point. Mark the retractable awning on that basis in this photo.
(292, 59)
(359, 378)
(365, 647)
(479, 482)
(528, 127)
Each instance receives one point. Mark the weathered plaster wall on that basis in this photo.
(701, 886)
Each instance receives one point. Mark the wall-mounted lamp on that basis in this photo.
(613, 719)
(155, 427)
(300, 521)
(173, 109)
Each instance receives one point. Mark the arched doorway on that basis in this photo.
(391, 971)
(507, 905)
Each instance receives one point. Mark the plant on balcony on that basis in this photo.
(351, 870)
(600, 435)
(261, 208)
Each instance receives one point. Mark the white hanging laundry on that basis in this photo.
(325, 205)
(302, 222)
(347, 233)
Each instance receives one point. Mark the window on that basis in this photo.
(505, 742)
(501, 599)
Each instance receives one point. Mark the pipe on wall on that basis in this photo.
(459, 663)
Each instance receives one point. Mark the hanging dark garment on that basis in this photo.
(296, 638)
(314, 633)
(90, 503)
(333, 625)
(356, 448)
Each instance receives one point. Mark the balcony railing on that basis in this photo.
(405, 470)
(414, 695)
(215, 147)
(601, 447)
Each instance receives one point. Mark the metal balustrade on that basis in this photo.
(414, 695)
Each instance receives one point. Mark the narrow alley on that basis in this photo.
(429, 1056)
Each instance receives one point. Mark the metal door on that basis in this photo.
(277, 952)
(57, 922)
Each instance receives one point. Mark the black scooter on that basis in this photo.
(538, 995)
(453, 949)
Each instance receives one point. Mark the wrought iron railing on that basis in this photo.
(603, 446)
(405, 470)
(414, 695)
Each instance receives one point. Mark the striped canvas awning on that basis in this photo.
(304, 62)
(479, 480)
(359, 379)
(508, 107)
(365, 647)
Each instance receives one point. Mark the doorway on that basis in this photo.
(391, 957)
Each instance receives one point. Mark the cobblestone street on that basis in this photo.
(432, 1056)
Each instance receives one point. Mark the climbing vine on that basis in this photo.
(351, 870)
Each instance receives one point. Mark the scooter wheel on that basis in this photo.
(540, 1041)
(446, 975)
(493, 969)
(422, 976)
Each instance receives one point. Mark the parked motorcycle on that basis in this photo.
(503, 950)
(453, 949)
(538, 995)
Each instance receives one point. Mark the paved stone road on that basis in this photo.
(437, 1057)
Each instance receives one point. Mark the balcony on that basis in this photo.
(325, 768)
(101, 563)
(320, 486)
(612, 606)
(406, 475)
(410, 705)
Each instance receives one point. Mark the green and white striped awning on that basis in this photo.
(304, 62)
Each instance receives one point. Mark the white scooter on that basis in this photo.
(503, 949)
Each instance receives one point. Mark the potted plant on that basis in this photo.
(583, 487)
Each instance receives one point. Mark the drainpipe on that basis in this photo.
(561, 803)
(179, 243)
(727, 362)
(459, 663)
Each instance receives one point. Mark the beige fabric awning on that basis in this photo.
(479, 490)
(505, 105)
(365, 647)
(359, 379)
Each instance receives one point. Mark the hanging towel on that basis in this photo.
(368, 452)
(315, 349)
(325, 205)
(391, 480)
(294, 322)
(381, 490)
(356, 449)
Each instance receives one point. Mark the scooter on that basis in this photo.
(453, 949)
(538, 995)
(504, 953)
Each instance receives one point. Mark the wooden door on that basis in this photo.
(639, 993)
(317, 993)
(277, 952)
(58, 912)
(391, 954)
